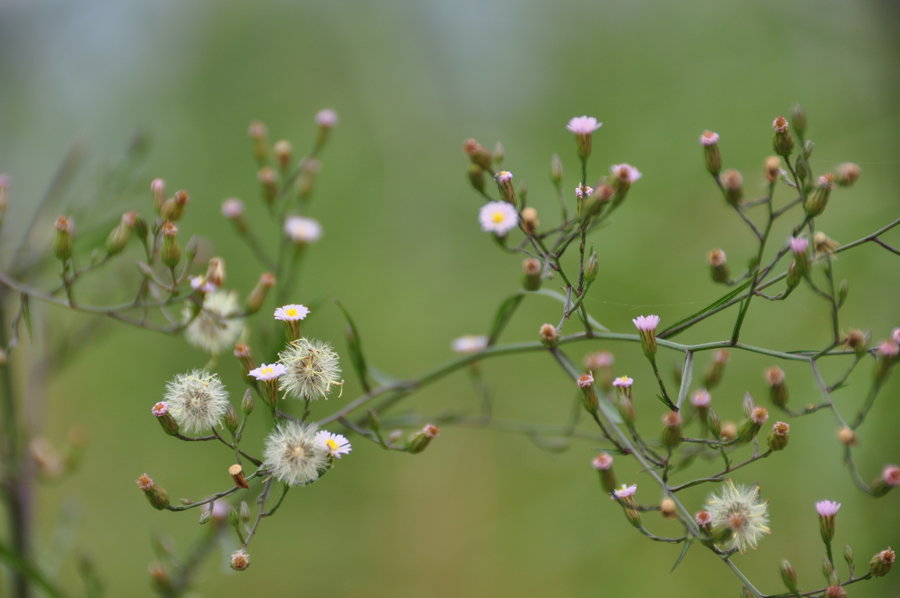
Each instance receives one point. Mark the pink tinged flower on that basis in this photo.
(780, 124)
(470, 344)
(891, 475)
(504, 176)
(302, 230)
(600, 359)
(232, 208)
(586, 380)
(798, 245)
(219, 510)
(709, 138)
(827, 508)
(625, 491)
(602, 462)
(291, 312)
(160, 409)
(583, 125)
(888, 349)
(759, 415)
(326, 118)
(701, 398)
(625, 172)
(145, 482)
(895, 335)
(582, 191)
(623, 382)
(671, 419)
(827, 180)
(335, 444)
(703, 518)
(646, 323)
(267, 372)
(199, 283)
(498, 217)
(431, 431)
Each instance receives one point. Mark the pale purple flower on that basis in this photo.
(709, 138)
(199, 283)
(625, 491)
(431, 430)
(623, 382)
(582, 191)
(625, 172)
(701, 398)
(798, 245)
(827, 508)
(603, 461)
(326, 118)
(504, 176)
(586, 380)
(891, 475)
(291, 312)
(335, 444)
(160, 409)
(302, 230)
(888, 349)
(895, 335)
(232, 208)
(267, 372)
(498, 217)
(583, 125)
(646, 323)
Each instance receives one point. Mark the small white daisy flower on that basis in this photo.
(267, 372)
(625, 491)
(740, 509)
(470, 343)
(583, 125)
(217, 326)
(197, 400)
(291, 312)
(335, 444)
(311, 369)
(292, 454)
(302, 231)
(498, 217)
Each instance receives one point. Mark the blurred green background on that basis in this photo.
(479, 513)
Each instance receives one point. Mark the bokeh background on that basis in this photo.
(479, 513)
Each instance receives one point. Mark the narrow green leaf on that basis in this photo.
(26, 313)
(717, 303)
(504, 315)
(687, 546)
(356, 353)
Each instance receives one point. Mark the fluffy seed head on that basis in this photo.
(197, 400)
(292, 454)
(740, 509)
(216, 327)
(312, 368)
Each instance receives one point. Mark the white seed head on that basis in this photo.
(197, 400)
(293, 455)
(215, 328)
(312, 369)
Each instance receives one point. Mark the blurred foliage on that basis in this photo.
(479, 513)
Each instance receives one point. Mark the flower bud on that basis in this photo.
(590, 400)
(62, 243)
(556, 170)
(161, 412)
(710, 143)
(818, 199)
(326, 119)
(237, 476)
(600, 364)
(240, 560)
(728, 432)
(257, 296)
(247, 402)
(215, 271)
(242, 352)
(120, 235)
(478, 154)
(858, 341)
(847, 436)
(847, 173)
(173, 208)
(257, 131)
(231, 419)
(713, 423)
(591, 268)
(789, 576)
(733, 186)
(778, 391)
(779, 436)
(161, 580)
(750, 428)
(603, 463)
(823, 244)
(716, 368)
(530, 220)
(798, 117)
(158, 192)
(549, 335)
(848, 555)
(283, 151)
(718, 266)
(171, 251)
(890, 478)
(646, 326)
(532, 269)
(782, 142)
(476, 177)
(269, 181)
(881, 563)
(505, 186)
(421, 439)
(157, 497)
(667, 508)
(772, 169)
(499, 153)
(671, 436)
(835, 591)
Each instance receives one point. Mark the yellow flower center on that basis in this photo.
(497, 217)
(291, 311)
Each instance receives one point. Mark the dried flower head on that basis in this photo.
(217, 326)
(160, 409)
(312, 368)
(240, 560)
(334, 444)
(197, 400)
(740, 509)
(703, 518)
(498, 217)
(780, 124)
(293, 455)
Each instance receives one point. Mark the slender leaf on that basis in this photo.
(684, 551)
(677, 326)
(356, 353)
(504, 315)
